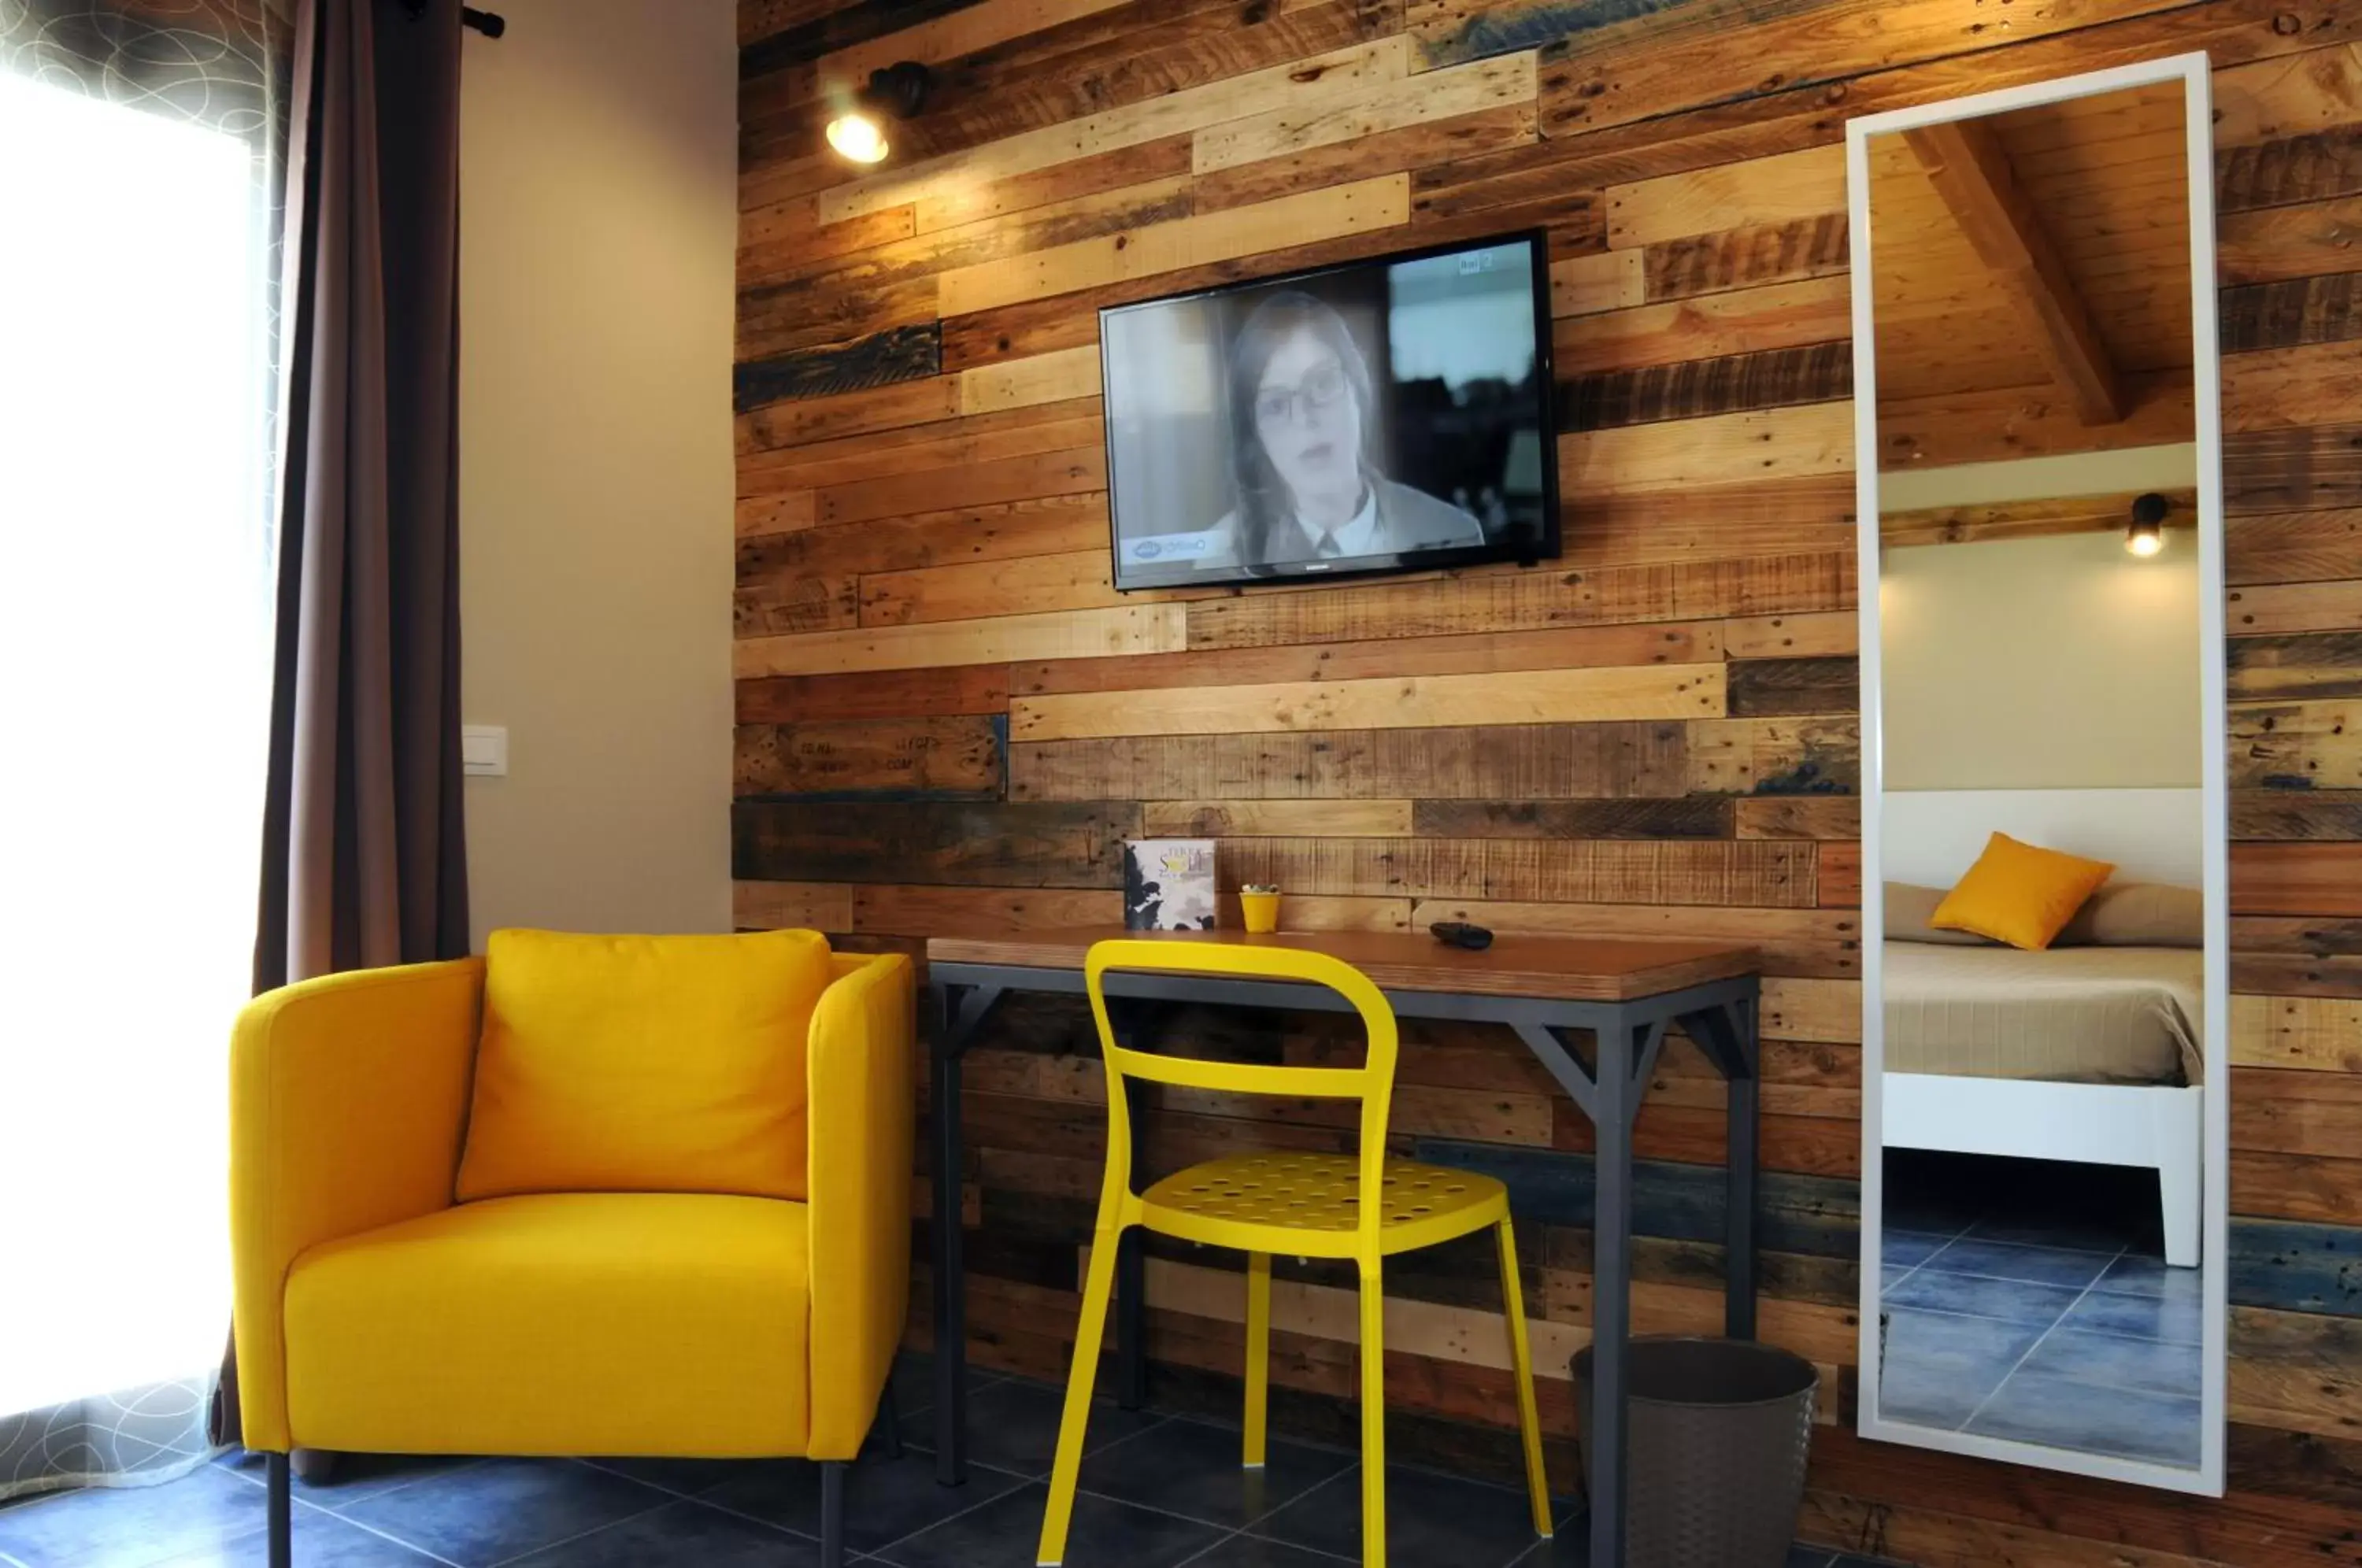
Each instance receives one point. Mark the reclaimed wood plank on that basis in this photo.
(969, 843)
(1431, 95)
(1537, 697)
(1470, 653)
(1808, 183)
(1776, 756)
(1762, 687)
(884, 694)
(1740, 321)
(849, 414)
(1727, 448)
(2294, 667)
(1603, 281)
(1677, 591)
(881, 359)
(1329, 76)
(1701, 816)
(2296, 745)
(1826, 635)
(2288, 813)
(1527, 761)
(2283, 388)
(1747, 256)
(1592, 871)
(1769, 377)
(2302, 1033)
(1377, 203)
(2291, 546)
(1276, 818)
(953, 756)
(2282, 315)
(1800, 816)
(2295, 607)
(1419, 145)
(1020, 383)
(1003, 639)
(1792, 942)
(2293, 471)
(916, 911)
(780, 906)
(1712, 522)
(2296, 878)
(935, 445)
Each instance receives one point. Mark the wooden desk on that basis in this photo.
(1626, 991)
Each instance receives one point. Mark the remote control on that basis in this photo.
(1460, 934)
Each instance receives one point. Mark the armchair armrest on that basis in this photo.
(861, 1066)
(348, 1097)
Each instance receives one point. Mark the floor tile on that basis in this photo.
(679, 1535)
(1934, 1289)
(2177, 1321)
(2090, 1233)
(2037, 1265)
(1192, 1469)
(1007, 1534)
(2112, 1362)
(1938, 1368)
(1014, 1425)
(355, 1477)
(1908, 1247)
(2138, 1275)
(320, 1540)
(884, 1499)
(1254, 1551)
(2060, 1414)
(1432, 1522)
(132, 1526)
(498, 1509)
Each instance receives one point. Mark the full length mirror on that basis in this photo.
(2044, 827)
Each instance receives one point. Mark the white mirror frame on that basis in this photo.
(2193, 70)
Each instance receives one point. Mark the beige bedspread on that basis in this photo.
(2085, 1015)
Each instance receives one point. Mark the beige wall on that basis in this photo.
(2041, 664)
(598, 224)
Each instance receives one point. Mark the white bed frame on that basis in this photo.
(1930, 837)
(2131, 1125)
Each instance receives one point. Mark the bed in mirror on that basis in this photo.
(2044, 833)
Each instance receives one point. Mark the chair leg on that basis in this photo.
(1529, 1420)
(1089, 1333)
(831, 1513)
(1373, 1419)
(280, 1510)
(1258, 1355)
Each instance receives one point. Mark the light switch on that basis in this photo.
(484, 750)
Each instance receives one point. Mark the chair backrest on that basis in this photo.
(1372, 1083)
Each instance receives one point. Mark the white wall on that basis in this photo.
(598, 232)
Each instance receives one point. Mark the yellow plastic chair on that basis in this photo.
(1305, 1205)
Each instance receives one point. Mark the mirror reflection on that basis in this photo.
(2040, 818)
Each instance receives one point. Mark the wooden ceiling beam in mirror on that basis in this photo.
(1970, 171)
(2024, 519)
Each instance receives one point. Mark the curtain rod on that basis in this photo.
(492, 24)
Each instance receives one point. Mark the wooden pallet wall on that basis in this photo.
(949, 722)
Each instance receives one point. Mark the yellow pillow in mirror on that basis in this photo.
(2019, 893)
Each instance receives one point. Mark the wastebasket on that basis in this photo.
(1715, 1438)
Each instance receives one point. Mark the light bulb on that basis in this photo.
(857, 137)
(2144, 539)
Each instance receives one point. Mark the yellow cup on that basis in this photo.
(1262, 913)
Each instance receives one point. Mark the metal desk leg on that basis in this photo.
(1611, 1296)
(951, 1295)
(1739, 1259)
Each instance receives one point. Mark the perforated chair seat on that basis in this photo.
(1285, 1202)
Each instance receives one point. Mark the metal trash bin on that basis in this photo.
(1716, 1438)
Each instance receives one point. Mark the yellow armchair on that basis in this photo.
(375, 1313)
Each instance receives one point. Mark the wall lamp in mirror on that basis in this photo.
(2145, 535)
(897, 92)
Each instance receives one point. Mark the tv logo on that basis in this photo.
(1175, 547)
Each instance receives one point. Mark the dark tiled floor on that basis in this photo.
(2047, 1320)
(1158, 1492)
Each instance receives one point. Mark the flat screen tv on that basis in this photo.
(1391, 415)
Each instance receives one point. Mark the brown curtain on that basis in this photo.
(364, 855)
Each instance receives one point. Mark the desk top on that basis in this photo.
(1586, 968)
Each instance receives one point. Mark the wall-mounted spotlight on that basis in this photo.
(2146, 535)
(898, 91)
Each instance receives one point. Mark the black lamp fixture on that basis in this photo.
(899, 91)
(2146, 535)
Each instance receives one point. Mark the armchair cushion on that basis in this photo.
(638, 1323)
(644, 1064)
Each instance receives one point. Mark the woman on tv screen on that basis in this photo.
(1303, 438)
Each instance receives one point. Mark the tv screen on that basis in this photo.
(1387, 415)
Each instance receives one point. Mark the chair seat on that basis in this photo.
(1305, 1203)
(667, 1324)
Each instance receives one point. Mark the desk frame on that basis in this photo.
(1721, 1016)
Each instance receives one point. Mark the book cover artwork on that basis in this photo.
(1168, 884)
